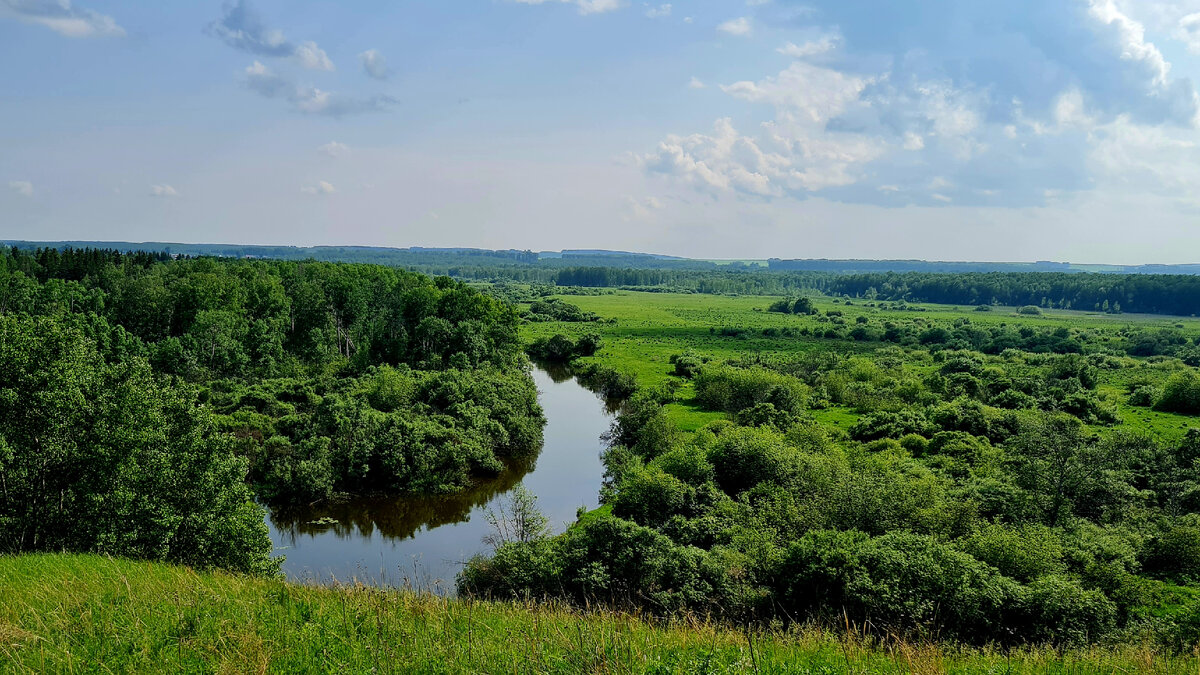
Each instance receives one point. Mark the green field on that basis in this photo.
(87, 614)
(649, 328)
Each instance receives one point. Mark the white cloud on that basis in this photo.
(659, 11)
(309, 55)
(163, 191)
(21, 187)
(321, 188)
(696, 83)
(242, 28)
(1188, 31)
(62, 17)
(584, 6)
(334, 149)
(1132, 36)
(804, 50)
(374, 65)
(804, 90)
(309, 99)
(740, 26)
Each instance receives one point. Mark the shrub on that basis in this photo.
(1029, 310)
(1175, 553)
(1023, 553)
(744, 457)
(900, 582)
(652, 496)
(1181, 394)
(731, 389)
(687, 364)
(1013, 399)
(1144, 396)
(886, 424)
(1059, 610)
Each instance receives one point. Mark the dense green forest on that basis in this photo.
(138, 393)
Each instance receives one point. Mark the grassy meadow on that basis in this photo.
(88, 614)
(649, 328)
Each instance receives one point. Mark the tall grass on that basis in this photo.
(78, 613)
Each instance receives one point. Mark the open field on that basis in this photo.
(652, 327)
(83, 614)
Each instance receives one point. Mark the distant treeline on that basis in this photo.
(1175, 294)
(860, 266)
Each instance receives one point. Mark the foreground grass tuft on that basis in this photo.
(73, 613)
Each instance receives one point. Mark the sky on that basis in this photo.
(1063, 130)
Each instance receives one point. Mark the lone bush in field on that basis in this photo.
(1181, 394)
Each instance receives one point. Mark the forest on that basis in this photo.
(148, 402)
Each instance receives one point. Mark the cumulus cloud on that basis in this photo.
(740, 26)
(803, 90)
(62, 17)
(1132, 39)
(334, 149)
(21, 187)
(309, 55)
(880, 111)
(584, 6)
(696, 83)
(242, 28)
(163, 191)
(321, 188)
(309, 99)
(374, 65)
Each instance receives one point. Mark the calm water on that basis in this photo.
(425, 541)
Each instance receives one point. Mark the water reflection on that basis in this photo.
(394, 517)
(425, 541)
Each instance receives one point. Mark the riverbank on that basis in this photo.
(423, 541)
(79, 613)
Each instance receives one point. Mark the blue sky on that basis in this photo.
(941, 129)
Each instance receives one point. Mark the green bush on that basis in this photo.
(899, 582)
(652, 496)
(1181, 394)
(1175, 553)
(743, 457)
(1059, 610)
(1144, 396)
(731, 389)
(1023, 553)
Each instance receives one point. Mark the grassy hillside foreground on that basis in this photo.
(78, 613)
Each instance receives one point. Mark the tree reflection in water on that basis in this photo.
(395, 517)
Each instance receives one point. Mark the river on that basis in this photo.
(423, 542)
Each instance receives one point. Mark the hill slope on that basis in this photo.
(79, 613)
